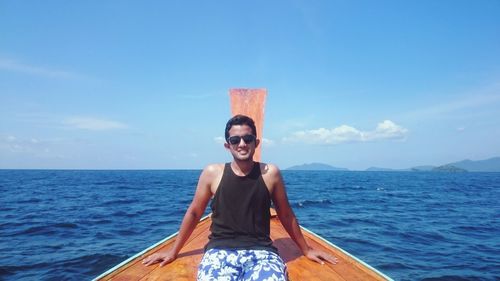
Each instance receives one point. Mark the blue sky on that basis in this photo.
(144, 84)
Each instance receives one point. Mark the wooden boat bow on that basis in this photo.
(299, 267)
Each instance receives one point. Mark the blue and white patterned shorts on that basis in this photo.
(243, 265)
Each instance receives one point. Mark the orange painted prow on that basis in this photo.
(250, 102)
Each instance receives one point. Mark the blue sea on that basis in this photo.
(75, 224)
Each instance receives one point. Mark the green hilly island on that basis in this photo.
(486, 165)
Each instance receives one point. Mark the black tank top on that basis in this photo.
(240, 212)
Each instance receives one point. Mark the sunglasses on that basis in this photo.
(237, 139)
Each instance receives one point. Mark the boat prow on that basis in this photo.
(299, 267)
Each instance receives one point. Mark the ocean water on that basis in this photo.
(73, 225)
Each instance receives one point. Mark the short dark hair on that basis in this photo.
(240, 120)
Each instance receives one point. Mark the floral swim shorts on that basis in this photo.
(242, 265)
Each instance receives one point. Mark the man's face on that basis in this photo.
(241, 151)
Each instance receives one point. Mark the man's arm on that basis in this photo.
(289, 221)
(191, 218)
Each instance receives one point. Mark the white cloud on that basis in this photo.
(267, 142)
(14, 66)
(387, 130)
(345, 134)
(12, 144)
(13, 147)
(93, 124)
(219, 140)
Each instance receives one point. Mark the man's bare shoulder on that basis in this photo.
(270, 170)
(213, 170)
(211, 176)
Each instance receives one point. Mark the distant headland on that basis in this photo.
(487, 165)
(316, 167)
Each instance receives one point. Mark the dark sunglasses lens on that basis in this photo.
(248, 138)
(234, 139)
(237, 139)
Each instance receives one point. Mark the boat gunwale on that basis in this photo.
(347, 253)
(130, 259)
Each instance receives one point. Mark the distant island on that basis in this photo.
(487, 165)
(442, 168)
(316, 167)
(378, 169)
(448, 168)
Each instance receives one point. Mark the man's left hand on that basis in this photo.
(321, 257)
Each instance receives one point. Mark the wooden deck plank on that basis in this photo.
(353, 265)
(346, 269)
(135, 270)
(185, 266)
(300, 267)
(181, 267)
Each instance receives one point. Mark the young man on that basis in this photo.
(239, 246)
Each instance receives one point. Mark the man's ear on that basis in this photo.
(226, 145)
(257, 142)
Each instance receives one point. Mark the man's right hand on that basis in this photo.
(163, 257)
